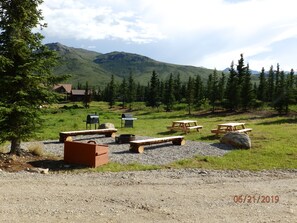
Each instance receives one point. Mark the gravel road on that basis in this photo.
(188, 195)
(152, 196)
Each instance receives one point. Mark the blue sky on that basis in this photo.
(202, 33)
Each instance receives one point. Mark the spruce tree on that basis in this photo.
(131, 94)
(123, 92)
(153, 97)
(177, 88)
(198, 91)
(169, 94)
(222, 88)
(247, 93)
(25, 70)
(270, 84)
(232, 91)
(111, 92)
(190, 95)
(213, 89)
(280, 100)
(262, 88)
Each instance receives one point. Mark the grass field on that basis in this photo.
(273, 137)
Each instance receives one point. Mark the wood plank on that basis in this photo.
(137, 145)
(244, 130)
(106, 132)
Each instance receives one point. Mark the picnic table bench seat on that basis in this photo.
(137, 145)
(188, 128)
(107, 132)
(218, 131)
(246, 130)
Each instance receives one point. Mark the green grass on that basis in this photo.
(273, 137)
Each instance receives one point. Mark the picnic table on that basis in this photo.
(231, 127)
(184, 125)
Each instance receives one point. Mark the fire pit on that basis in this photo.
(124, 138)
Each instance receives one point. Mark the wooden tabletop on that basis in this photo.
(185, 121)
(232, 124)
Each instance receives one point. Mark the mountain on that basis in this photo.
(97, 68)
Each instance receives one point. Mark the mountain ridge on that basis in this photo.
(97, 68)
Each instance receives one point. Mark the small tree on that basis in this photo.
(25, 70)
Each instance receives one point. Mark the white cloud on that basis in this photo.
(74, 19)
(208, 33)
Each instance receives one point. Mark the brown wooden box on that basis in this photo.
(90, 154)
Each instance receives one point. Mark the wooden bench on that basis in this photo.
(218, 131)
(137, 145)
(245, 130)
(106, 132)
(197, 127)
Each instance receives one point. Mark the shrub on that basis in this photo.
(36, 149)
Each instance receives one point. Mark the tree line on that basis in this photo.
(234, 90)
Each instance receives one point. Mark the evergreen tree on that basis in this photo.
(270, 84)
(123, 92)
(221, 88)
(169, 94)
(177, 88)
(280, 101)
(213, 89)
(140, 92)
(232, 93)
(198, 91)
(153, 97)
(111, 92)
(277, 85)
(262, 89)
(131, 94)
(25, 70)
(247, 94)
(291, 92)
(190, 95)
(241, 72)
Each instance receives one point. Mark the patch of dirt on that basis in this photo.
(14, 163)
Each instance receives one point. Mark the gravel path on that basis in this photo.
(173, 196)
(158, 154)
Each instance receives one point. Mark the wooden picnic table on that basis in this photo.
(184, 125)
(231, 127)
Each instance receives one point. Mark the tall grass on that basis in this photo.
(273, 137)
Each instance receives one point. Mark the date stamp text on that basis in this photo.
(264, 199)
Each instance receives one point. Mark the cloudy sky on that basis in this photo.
(207, 33)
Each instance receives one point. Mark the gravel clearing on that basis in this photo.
(158, 154)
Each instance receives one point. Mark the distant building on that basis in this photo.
(79, 95)
(64, 89)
